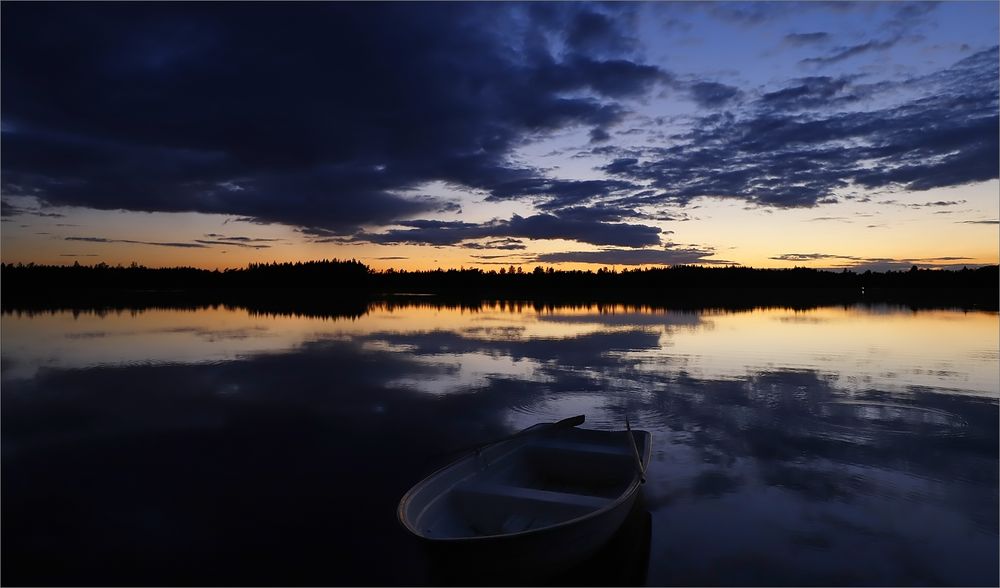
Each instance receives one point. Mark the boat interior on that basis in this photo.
(541, 481)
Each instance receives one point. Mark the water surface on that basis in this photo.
(835, 445)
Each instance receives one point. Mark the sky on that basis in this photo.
(571, 135)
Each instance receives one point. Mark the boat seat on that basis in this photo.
(583, 447)
(605, 467)
(492, 508)
(533, 495)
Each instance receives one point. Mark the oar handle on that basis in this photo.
(563, 424)
(568, 422)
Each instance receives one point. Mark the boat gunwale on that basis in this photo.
(625, 495)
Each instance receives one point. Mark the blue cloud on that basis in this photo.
(775, 155)
(540, 226)
(320, 123)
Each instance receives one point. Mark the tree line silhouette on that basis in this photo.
(345, 279)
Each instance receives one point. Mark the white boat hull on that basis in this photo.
(538, 503)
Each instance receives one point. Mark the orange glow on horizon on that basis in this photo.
(844, 234)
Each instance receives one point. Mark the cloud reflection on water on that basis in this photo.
(765, 478)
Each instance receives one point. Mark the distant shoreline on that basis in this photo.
(322, 287)
(322, 302)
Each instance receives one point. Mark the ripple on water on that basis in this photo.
(891, 418)
(602, 412)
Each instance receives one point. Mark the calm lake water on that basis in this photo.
(218, 446)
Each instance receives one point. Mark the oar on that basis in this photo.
(635, 451)
(563, 424)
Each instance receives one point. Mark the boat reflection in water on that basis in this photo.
(622, 561)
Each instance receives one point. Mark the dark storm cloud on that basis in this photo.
(946, 136)
(616, 78)
(622, 165)
(938, 203)
(237, 241)
(510, 257)
(828, 218)
(233, 243)
(713, 94)
(8, 209)
(599, 135)
(240, 238)
(810, 256)
(553, 193)
(508, 244)
(157, 244)
(195, 244)
(322, 122)
(572, 227)
(799, 39)
(905, 17)
(843, 53)
(669, 256)
(874, 263)
(590, 31)
(810, 92)
(597, 213)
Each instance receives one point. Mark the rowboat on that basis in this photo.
(543, 499)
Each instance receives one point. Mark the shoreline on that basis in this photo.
(354, 301)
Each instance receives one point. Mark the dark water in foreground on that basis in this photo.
(830, 446)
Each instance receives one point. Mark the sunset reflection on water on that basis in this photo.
(827, 445)
(888, 347)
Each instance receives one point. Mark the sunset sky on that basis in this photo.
(411, 135)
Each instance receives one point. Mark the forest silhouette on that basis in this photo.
(315, 284)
